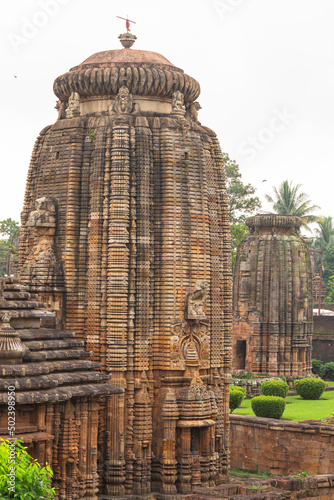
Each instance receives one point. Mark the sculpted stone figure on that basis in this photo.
(192, 111)
(195, 301)
(124, 102)
(73, 108)
(61, 108)
(42, 265)
(178, 103)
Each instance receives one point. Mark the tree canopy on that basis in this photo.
(8, 227)
(241, 200)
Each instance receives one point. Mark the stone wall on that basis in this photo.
(314, 487)
(323, 338)
(281, 447)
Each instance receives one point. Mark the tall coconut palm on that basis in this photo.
(290, 201)
(324, 233)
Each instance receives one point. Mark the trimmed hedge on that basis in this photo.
(274, 388)
(316, 366)
(309, 388)
(327, 371)
(237, 394)
(268, 406)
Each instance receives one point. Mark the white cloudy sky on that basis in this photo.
(266, 68)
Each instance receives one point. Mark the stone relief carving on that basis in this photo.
(195, 301)
(124, 103)
(192, 111)
(73, 108)
(61, 108)
(178, 103)
(190, 343)
(42, 264)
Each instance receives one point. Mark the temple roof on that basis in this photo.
(111, 57)
(54, 366)
(145, 73)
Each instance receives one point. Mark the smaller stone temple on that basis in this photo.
(272, 298)
(55, 390)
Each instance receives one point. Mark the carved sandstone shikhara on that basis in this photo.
(142, 239)
(272, 299)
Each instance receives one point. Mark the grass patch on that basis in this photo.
(248, 473)
(298, 409)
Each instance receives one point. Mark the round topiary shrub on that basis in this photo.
(237, 394)
(274, 388)
(327, 371)
(309, 388)
(268, 406)
(316, 366)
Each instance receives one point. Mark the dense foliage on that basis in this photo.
(237, 395)
(268, 406)
(241, 200)
(21, 477)
(327, 371)
(309, 388)
(8, 228)
(274, 388)
(316, 366)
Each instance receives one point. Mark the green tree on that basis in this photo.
(8, 228)
(290, 201)
(21, 477)
(324, 233)
(241, 200)
(328, 263)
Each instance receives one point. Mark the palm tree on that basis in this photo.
(289, 201)
(324, 233)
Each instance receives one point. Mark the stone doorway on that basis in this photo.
(241, 354)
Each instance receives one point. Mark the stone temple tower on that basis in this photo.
(125, 235)
(272, 299)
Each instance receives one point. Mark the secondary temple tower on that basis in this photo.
(125, 235)
(272, 298)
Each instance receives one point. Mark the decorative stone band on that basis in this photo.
(273, 220)
(139, 80)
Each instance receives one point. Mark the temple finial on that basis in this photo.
(127, 39)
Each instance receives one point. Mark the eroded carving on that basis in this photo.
(195, 301)
(124, 103)
(192, 111)
(73, 108)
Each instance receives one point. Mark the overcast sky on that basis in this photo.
(266, 69)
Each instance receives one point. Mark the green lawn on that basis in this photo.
(297, 409)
